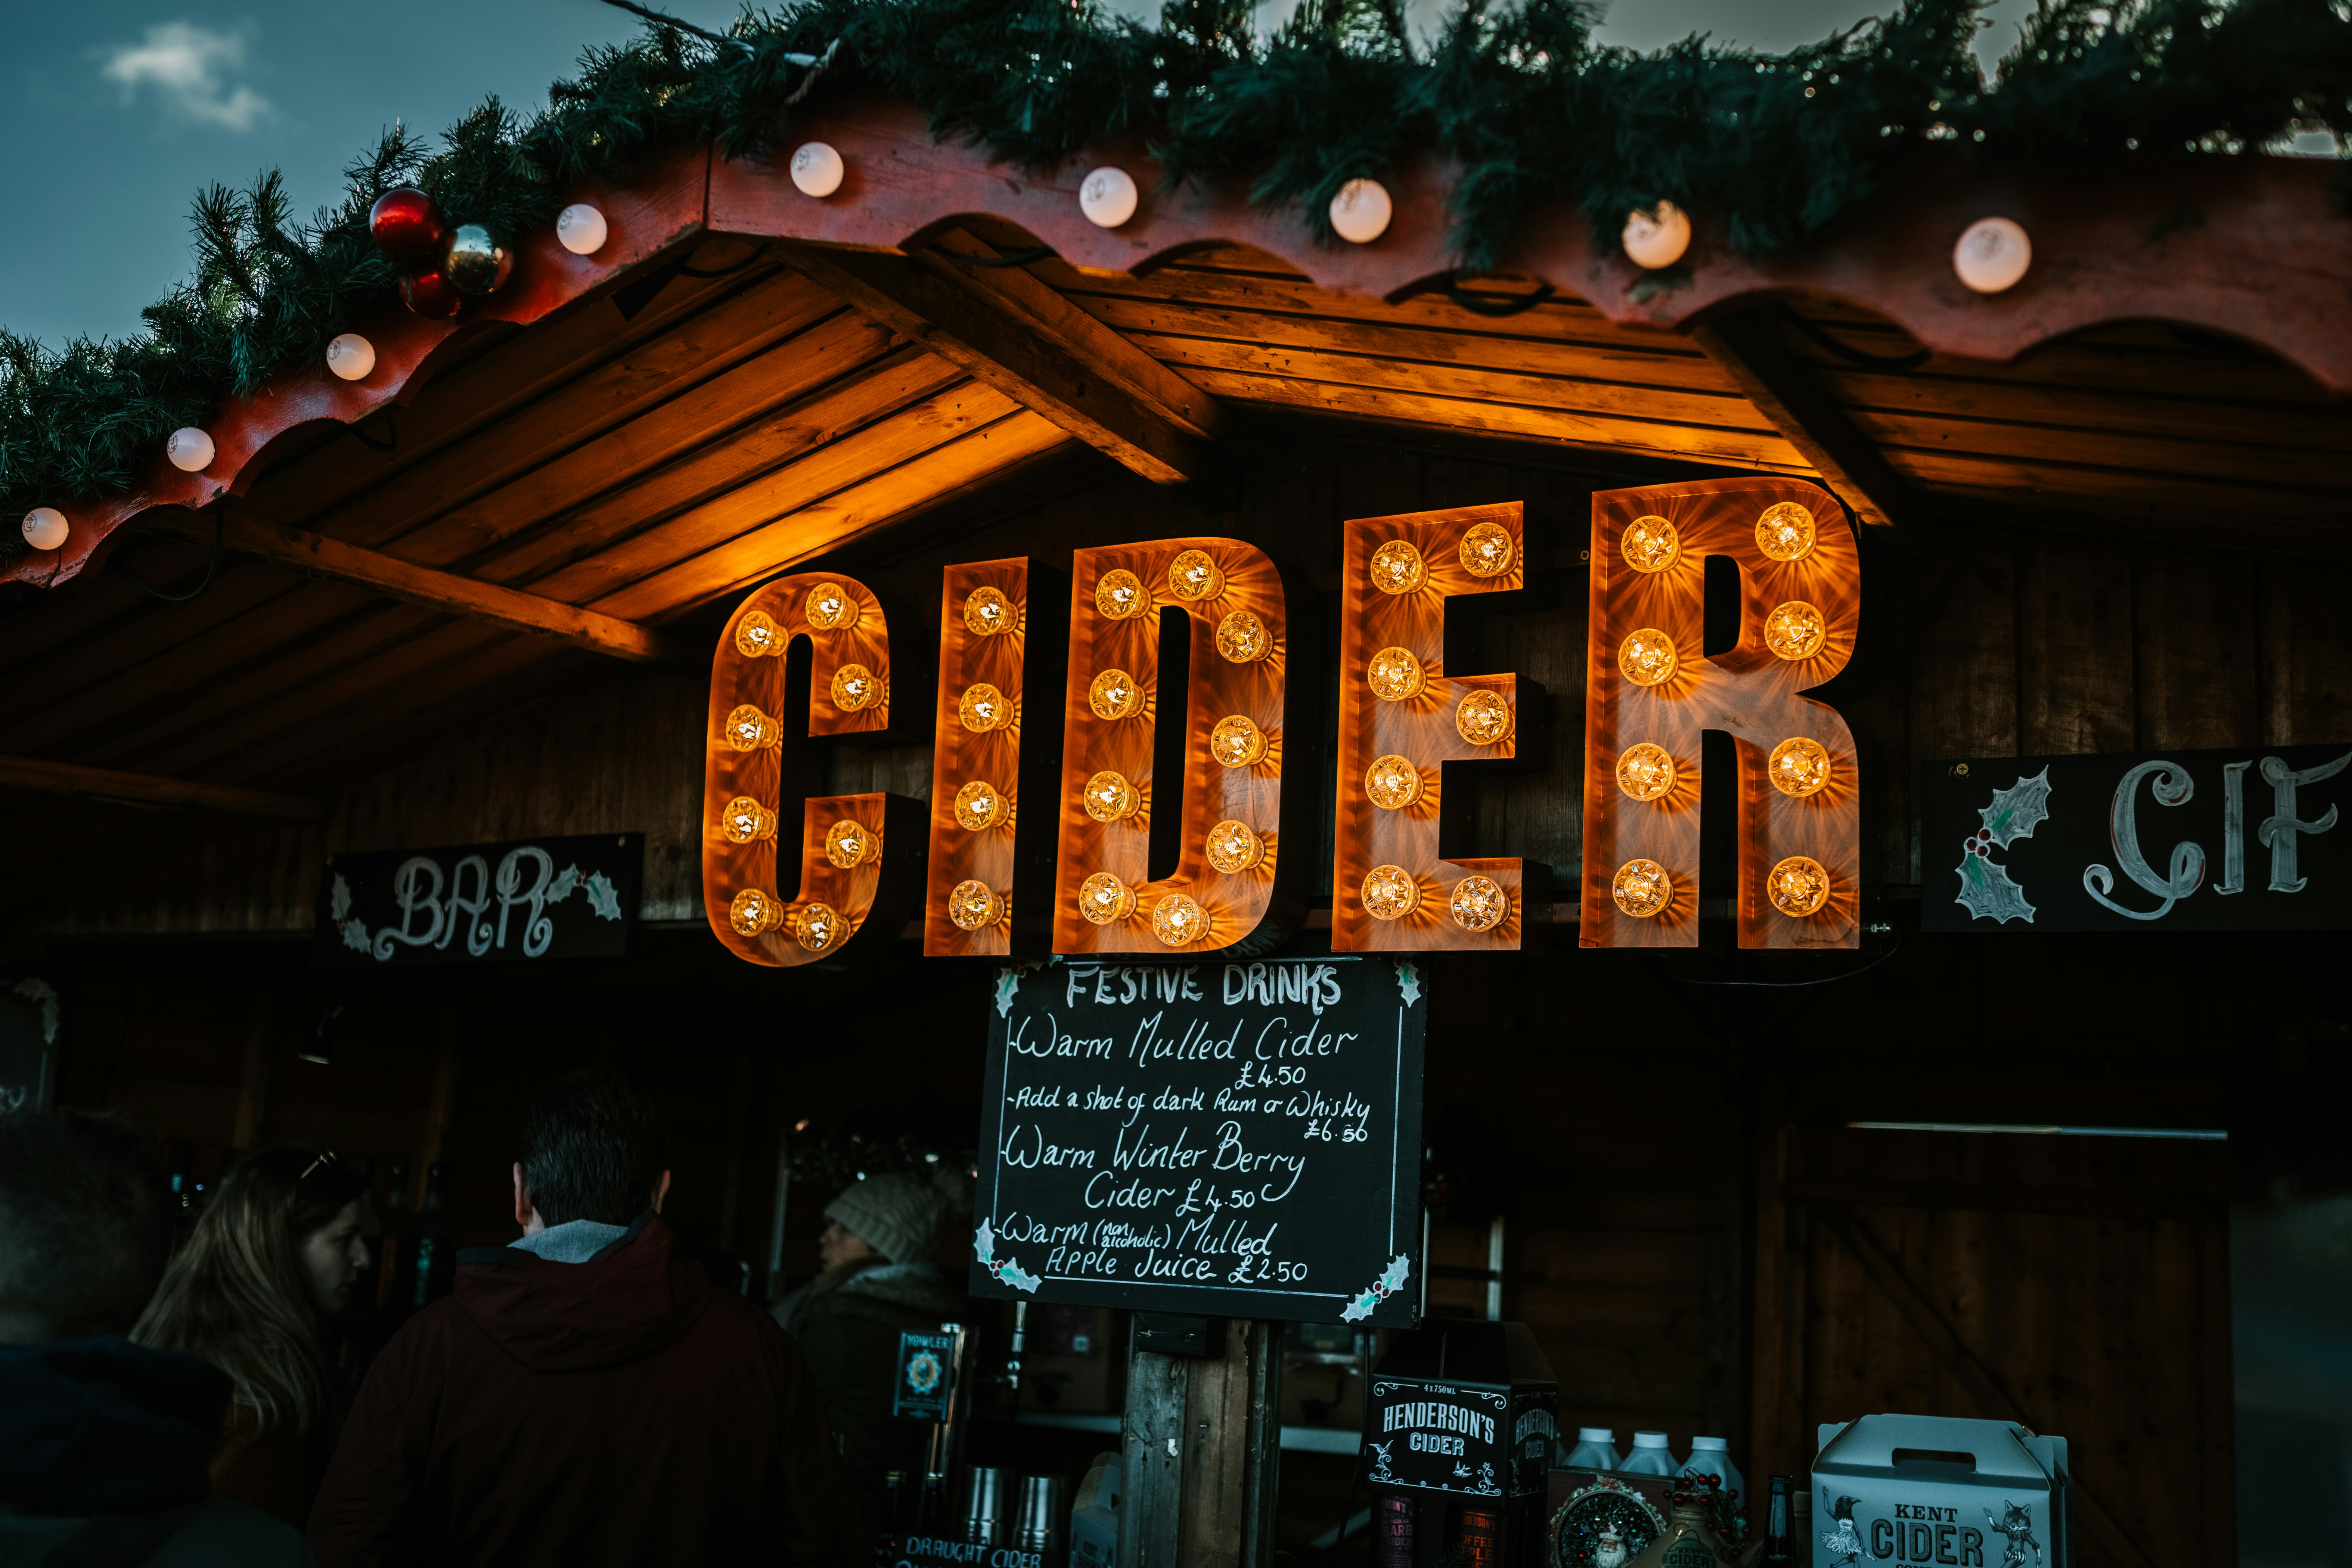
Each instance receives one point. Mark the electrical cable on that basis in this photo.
(1846, 351)
(136, 581)
(391, 435)
(1492, 303)
(1010, 258)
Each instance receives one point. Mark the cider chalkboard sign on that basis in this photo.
(1227, 1139)
(540, 898)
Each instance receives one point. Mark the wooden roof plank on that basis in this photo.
(151, 789)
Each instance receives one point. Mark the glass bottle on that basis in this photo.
(1779, 1550)
(436, 1259)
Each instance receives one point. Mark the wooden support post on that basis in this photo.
(1202, 1448)
(152, 789)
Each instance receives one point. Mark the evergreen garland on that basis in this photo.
(1771, 149)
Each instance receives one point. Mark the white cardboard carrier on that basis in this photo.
(1935, 1491)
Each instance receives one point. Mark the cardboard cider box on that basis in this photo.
(1940, 1492)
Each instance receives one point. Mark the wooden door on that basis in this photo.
(2077, 1285)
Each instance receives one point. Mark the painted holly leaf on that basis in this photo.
(1986, 891)
(1391, 1281)
(1408, 982)
(2017, 811)
(355, 936)
(1008, 984)
(604, 899)
(1009, 1272)
(338, 900)
(566, 881)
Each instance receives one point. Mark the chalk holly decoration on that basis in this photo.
(1391, 1281)
(1009, 1272)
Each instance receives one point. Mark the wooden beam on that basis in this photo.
(147, 789)
(1749, 348)
(397, 579)
(1020, 337)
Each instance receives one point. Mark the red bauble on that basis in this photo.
(432, 294)
(408, 226)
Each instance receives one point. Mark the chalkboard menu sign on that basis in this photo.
(540, 898)
(1234, 1139)
(2238, 840)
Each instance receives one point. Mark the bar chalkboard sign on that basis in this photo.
(2203, 841)
(529, 899)
(1236, 1139)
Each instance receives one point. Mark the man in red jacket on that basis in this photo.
(583, 1396)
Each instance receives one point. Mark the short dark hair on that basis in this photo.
(86, 1224)
(591, 1148)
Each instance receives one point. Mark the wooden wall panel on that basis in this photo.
(2198, 652)
(2074, 645)
(2306, 693)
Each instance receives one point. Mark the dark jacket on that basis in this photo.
(616, 1411)
(102, 1452)
(847, 1322)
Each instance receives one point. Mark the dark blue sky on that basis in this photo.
(114, 113)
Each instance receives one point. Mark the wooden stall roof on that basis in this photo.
(745, 378)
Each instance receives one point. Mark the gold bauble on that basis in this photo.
(757, 635)
(982, 708)
(1643, 889)
(1483, 717)
(1645, 772)
(1799, 766)
(1488, 550)
(745, 819)
(1478, 903)
(1237, 742)
(973, 906)
(980, 806)
(748, 730)
(1390, 893)
(1110, 797)
(1647, 656)
(1179, 921)
(987, 612)
(855, 687)
(1798, 886)
(1234, 847)
(1785, 532)
(847, 843)
(1103, 897)
(817, 927)
(1242, 637)
(829, 608)
(1650, 545)
(1795, 630)
(1394, 675)
(1115, 694)
(1193, 575)
(754, 910)
(1396, 567)
(1393, 783)
(1119, 595)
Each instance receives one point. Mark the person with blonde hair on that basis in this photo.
(272, 1260)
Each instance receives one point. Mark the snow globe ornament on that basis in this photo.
(1605, 1524)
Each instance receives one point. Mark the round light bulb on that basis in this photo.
(757, 635)
(189, 450)
(46, 528)
(982, 708)
(1798, 887)
(975, 905)
(1645, 772)
(1393, 783)
(350, 356)
(855, 688)
(829, 608)
(1119, 595)
(988, 613)
(1237, 742)
(1108, 197)
(1396, 567)
(749, 730)
(848, 843)
(1991, 255)
(1483, 718)
(1102, 898)
(817, 169)
(980, 806)
(1642, 888)
(754, 910)
(1488, 550)
(1649, 544)
(1657, 237)
(745, 820)
(1115, 694)
(817, 927)
(1242, 638)
(1785, 532)
(1647, 658)
(1195, 575)
(1394, 675)
(1390, 893)
(1179, 921)
(1795, 630)
(1235, 847)
(1360, 212)
(581, 229)
(1478, 903)
(1109, 797)
(1799, 766)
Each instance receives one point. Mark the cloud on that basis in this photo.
(191, 68)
